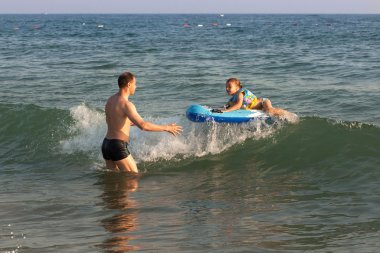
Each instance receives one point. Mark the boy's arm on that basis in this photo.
(136, 119)
(237, 105)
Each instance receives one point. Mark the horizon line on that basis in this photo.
(188, 13)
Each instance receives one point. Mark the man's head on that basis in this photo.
(125, 78)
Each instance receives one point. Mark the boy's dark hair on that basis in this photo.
(124, 79)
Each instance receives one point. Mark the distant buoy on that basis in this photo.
(200, 25)
(215, 24)
(222, 15)
(100, 26)
(186, 25)
(228, 24)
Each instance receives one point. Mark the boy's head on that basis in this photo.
(233, 85)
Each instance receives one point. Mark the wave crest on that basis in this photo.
(197, 139)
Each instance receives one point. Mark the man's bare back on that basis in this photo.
(117, 121)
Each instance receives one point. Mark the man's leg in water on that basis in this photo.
(111, 165)
(127, 164)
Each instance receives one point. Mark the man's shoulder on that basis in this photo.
(112, 98)
(129, 105)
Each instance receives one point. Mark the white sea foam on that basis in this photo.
(290, 117)
(197, 139)
(86, 132)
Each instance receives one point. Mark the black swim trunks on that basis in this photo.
(115, 149)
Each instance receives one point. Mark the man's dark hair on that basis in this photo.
(124, 79)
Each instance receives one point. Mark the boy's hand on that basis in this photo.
(216, 111)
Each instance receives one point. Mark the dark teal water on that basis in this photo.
(309, 186)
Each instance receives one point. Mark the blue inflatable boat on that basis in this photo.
(199, 113)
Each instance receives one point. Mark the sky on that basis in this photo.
(191, 6)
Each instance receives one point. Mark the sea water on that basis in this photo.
(308, 186)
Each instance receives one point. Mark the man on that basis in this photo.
(120, 115)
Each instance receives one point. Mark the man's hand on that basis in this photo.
(174, 129)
